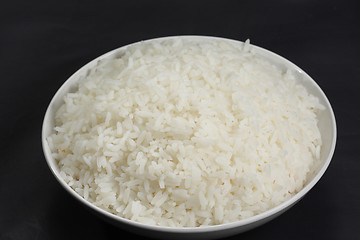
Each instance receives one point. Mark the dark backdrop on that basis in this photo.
(43, 42)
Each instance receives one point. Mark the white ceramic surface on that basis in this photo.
(326, 124)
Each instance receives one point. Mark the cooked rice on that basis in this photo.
(187, 133)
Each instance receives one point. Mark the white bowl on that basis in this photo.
(326, 125)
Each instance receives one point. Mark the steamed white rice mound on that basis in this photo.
(187, 133)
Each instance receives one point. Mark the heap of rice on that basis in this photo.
(187, 133)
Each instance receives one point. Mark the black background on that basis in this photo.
(43, 42)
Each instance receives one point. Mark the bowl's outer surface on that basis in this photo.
(327, 126)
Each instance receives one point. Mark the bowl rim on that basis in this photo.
(264, 215)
